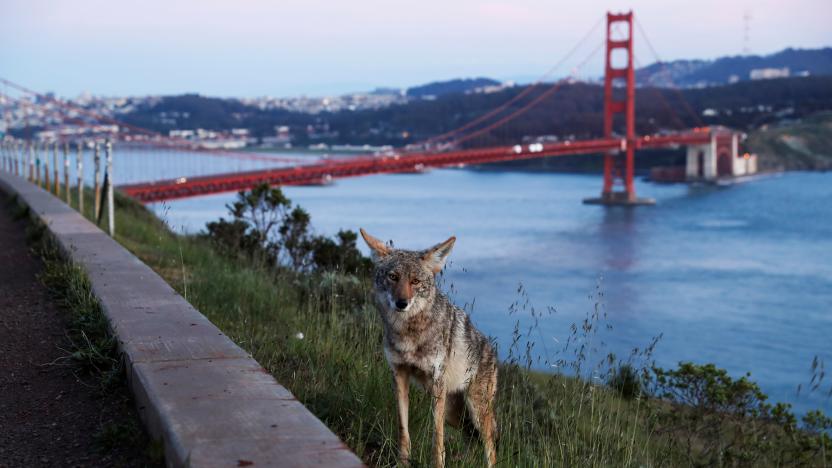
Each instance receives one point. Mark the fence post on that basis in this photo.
(21, 152)
(37, 164)
(67, 192)
(31, 162)
(110, 202)
(46, 182)
(79, 162)
(97, 181)
(56, 185)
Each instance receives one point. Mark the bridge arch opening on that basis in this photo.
(619, 59)
(724, 164)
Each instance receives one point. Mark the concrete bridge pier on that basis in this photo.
(715, 159)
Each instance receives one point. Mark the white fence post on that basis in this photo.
(111, 215)
(79, 162)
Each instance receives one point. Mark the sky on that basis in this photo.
(251, 48)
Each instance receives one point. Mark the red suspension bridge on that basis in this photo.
(711, 152)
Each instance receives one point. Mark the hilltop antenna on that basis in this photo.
(746, 37)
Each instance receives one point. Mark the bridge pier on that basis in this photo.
(717, 158)
(619, 199)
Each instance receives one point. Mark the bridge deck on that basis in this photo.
(366, 165)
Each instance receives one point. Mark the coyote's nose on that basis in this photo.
(401, 304)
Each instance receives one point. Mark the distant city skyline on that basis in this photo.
(312, 47)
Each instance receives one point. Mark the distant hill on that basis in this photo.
(795, 145)
(575, 111)
(441, 88)
(726, 70)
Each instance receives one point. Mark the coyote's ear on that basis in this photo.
(435, 256)
(379, 248)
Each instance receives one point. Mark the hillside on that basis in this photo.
(726, 70)
(575, 110)
(441, 88)
(800, 145)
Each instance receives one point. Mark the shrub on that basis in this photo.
(708, 388)
(717, 420)
(265, 227)
(627, 382)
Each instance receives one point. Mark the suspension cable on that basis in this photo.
(665, 103)
(554, 88)
(661, 63)
(537, 83)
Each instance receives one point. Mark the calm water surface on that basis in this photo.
(738, 276)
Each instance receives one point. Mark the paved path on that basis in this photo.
(49, 414)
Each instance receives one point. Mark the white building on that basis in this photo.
(769, 73)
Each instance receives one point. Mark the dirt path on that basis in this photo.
(50, 415)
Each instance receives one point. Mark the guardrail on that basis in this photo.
(16, 156)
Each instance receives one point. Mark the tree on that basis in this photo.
(294, 238)
(267, 228)
(263, 207)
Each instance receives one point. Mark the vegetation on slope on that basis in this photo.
(314, 328)
(800, 145)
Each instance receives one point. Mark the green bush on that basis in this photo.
(627, 382)
(718, 420)
(266, 228)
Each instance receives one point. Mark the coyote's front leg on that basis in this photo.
(402, 387)
(439, 395)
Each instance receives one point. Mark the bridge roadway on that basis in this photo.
(365, 165)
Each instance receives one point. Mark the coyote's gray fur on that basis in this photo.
(430, 340)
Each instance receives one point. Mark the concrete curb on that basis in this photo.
(209, 401)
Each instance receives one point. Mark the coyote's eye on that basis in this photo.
(393, 277)
(415, 281)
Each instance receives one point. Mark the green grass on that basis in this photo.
(338, 371)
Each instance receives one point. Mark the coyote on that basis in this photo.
(434, 342)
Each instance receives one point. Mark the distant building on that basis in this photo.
(769, 73)
(181, 133)
(282, 137)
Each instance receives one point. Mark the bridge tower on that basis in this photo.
(618, 169)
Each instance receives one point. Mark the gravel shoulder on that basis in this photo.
(51, 412)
